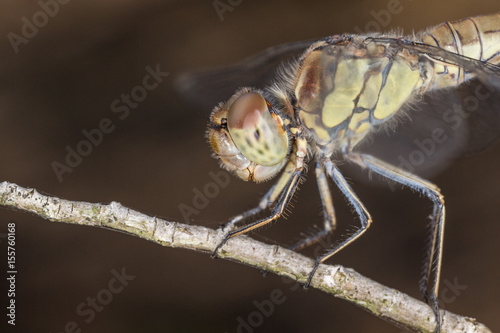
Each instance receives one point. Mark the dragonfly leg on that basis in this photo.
(263, 205)
(284, 189)
(433, 264)
(430, 255)
(267, 200)
(330, 222)
(276, 212)
(363, 214)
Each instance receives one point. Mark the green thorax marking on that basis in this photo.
(344, 90)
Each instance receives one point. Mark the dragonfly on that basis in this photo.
(364, 99)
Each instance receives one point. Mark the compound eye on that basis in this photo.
(255, 132)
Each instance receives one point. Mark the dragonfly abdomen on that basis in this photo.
(474, 37)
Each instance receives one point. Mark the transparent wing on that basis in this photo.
(442, 126)
(208, 88)
(446, 123)
(488, 73)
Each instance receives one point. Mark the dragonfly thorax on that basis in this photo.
(346, 89)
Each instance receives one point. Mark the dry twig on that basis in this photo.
(336, 280)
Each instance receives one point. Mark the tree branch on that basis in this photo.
(392, 305)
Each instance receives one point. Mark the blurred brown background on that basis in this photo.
(63, 81)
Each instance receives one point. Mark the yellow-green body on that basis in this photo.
(347, 88)
(343, 88)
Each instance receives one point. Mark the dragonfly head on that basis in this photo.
(247, 137)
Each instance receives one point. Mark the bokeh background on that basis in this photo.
(63, 81)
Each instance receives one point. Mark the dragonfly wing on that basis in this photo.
(442, 126)
(486, 71)
(209, 87)
(446, 123)
(484, 121)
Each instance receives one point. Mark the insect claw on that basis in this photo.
(311, 275)
(264, 272)
(214, 254)
(304, 285)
